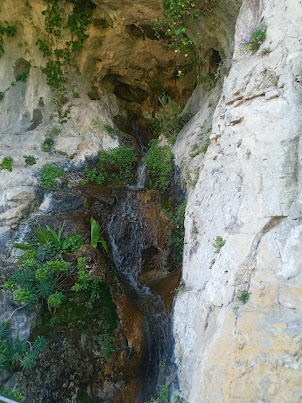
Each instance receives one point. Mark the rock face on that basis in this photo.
(249, 193)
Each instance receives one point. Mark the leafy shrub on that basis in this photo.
(244, 297)
(159, 164)
(17, 353)
(97, 175)
(75, 94)
(72, 295)
(115, 164)
(6, 164)
(12, 394)
(254, 39)
(42, 266)
(47, 144)
(173, 23)
(1, 95)
(30, 159)
(55, 300)
(49, 173)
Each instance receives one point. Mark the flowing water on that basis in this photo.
(128, 240)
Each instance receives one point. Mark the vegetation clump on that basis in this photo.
(115, 164)
(30, 159)
(6, 164)
(16, 353)
(169, 120)
(244, 297)
(64, 289)
(218, 244)
(47, 144)
(63, 23)
(173, 23)
(8, 30)
(158, 161)
(49, 173)
(254, 39)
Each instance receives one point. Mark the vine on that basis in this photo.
(69, 20)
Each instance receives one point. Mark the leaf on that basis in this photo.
(4, 330)
(104, 243)
(22, 246)
(95, 231)
(53, 235)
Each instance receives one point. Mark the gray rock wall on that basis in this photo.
(249, 193)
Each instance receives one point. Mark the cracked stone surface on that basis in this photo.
(249, 193)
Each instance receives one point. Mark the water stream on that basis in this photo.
(128, 240)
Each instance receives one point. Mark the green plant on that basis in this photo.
(96, 234)
(265, 51)
(163, 396)
(105, 340)
(248, 153)
(18, 353)
(42, 267)
(75, 94)
(9, 30)
(244, 297)
(30, 159)
(115, 164)
(47, 144)
(49, 173)
(159, 165)
(121, 161)
(236, 308)
(12, 394)
(96, 175)
(55, 300)
(170, 119)
(44, 47)
(179, 291)
(218, 243)
(1, 95)
(63, 21)
(23, 76)
(178, 233)
(109, 129)
(6, 164)
(254, 39)
(173, 23)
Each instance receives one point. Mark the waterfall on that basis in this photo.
(127, 239)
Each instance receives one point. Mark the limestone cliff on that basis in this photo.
(240, 163)
(249, 193)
